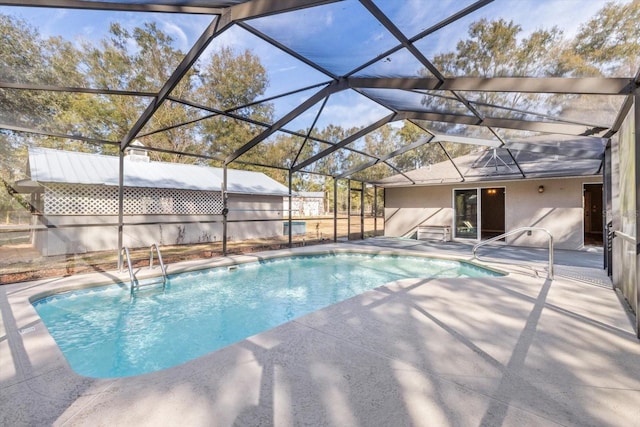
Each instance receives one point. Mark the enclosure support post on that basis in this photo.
(384, 211)
(335, 209)
(290, 210)
(120, 207)
(348, 209)
(363, 187)
(375, 210)
(636, 129)
(225, 210)
(608, 210)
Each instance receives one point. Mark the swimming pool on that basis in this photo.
(104, 333)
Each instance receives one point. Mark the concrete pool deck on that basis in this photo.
(515, 350)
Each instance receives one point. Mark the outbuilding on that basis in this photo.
(76, 202)
(306, 203)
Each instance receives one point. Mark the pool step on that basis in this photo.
(149, 282)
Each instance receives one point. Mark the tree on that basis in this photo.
(607, 44)
(379, 143)
(224, 81)
(114, 64)
(158, 59)
(232, 82)
(280, 152)
(498, 49)
(26, 58)
(336, 161)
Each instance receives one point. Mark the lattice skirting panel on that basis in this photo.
(64, 199)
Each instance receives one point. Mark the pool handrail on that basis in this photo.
(134, 280)
(132, 276)
(521, 230)
(162, 267)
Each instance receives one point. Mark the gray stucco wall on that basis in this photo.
(559, 209)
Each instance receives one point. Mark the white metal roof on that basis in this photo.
(58, 166)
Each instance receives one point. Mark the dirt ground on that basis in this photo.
(22, 262)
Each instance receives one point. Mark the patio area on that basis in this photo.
(515, 350)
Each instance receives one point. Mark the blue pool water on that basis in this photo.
(104, 333)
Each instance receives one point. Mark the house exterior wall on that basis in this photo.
(69, 234)
(407, 207)
(559, 209)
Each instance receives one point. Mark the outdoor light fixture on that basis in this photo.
(541, 189)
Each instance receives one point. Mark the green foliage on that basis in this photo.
(608, 44)
(497, 49)
(227, 82)
(25, 58)
(141, 59)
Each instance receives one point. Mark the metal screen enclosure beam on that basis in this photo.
(495, 122)
(57, 135)
(399, 151)
(225, 210)
(636, 129)
(449, 20)
(348, 209)
(363, 185)
(73, 89)
(335, 209)
(551, 85)
(393, 29)
(130, 6)
(375, 210)
(120, 206)
(290, 233)
(259, 8)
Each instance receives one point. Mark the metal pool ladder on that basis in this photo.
(520, 230)
(135, 283)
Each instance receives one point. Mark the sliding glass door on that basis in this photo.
(466, 212)
(479, 213)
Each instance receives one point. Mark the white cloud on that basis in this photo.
(177, 34)
(356, 114)
(88, 30)
(328, 19)
(285, 69)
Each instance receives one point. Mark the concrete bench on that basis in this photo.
(434, 232)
